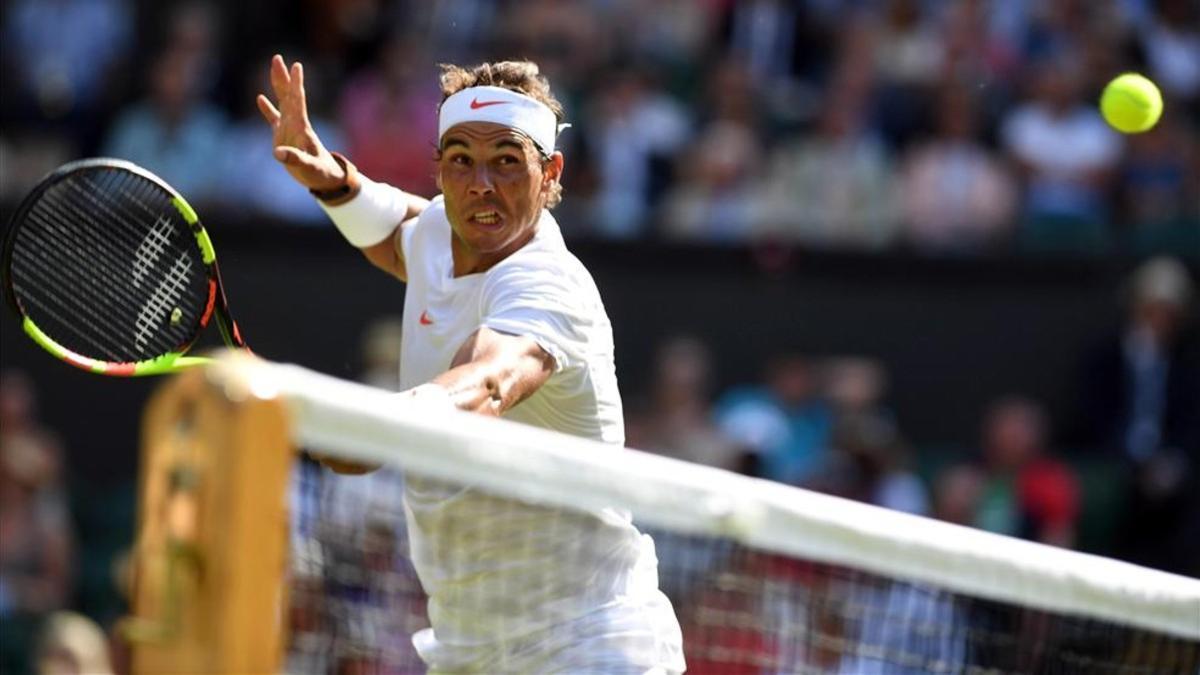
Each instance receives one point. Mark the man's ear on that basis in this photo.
(552, 169)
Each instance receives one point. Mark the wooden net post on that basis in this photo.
(210, 561)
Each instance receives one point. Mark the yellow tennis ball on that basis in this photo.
(1131, 103)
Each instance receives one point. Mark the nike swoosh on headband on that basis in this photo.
(476, 104)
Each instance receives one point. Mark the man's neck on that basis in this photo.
(467, 261)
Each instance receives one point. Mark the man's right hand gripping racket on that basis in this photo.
(109, 269)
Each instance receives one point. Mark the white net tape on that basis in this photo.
(786, 569)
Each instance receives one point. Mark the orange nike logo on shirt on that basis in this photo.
(425, 320)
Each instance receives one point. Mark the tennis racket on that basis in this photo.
(110, 270)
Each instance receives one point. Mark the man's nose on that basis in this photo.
(481, 181)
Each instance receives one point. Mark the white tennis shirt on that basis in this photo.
(514, 587)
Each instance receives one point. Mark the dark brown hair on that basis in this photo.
(523, 77)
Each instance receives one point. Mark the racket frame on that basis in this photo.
(169, 362)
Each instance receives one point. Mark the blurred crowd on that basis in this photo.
(944, 127)
(1124, 464)
(1119, 476)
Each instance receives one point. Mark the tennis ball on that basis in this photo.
(176, 316)
(1131, 103)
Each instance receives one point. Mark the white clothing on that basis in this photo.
(515, 587)
(1062, 147)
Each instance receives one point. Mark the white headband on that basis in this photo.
(502, 106)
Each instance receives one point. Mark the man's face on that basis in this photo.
(495, 185)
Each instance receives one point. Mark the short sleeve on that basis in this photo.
(408, 228)
(540, 302)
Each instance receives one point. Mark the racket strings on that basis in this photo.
(155, 237)
(78, 312)
(93, 306)
(82, 233)
(106, 266)
(60, 306)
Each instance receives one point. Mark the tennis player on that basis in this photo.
(499, 319)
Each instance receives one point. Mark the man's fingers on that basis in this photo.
(301, 99)
(269, 113)
(280, 80)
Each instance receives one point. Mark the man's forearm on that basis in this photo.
(481, 387)
(493, 372)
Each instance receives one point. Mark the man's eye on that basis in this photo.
(460, 159)
(507, 160)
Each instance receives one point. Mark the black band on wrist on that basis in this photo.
(330, 195)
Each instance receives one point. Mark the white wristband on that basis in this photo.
(372, 215)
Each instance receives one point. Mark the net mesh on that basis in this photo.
(356, 601)
(752, 595)
(103, 263)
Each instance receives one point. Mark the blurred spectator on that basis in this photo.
(674, 34)
(957, 198)
(389, 116)
(1052, 28)
(1171, 41)
(784, 423)
(458, 28)
(908, 50)
(1160, 189)
(1140, 395)
(869, 465)
(175, 132)
(869, 460)
(1107, 45)
(381, 353)
(712, 196)
(834, 188)
(743, 587)
(568, 40)
(712, 199)
(903, 628)
(60, 63)
(1026, 493)
(72, 644)
(1066, 155)
(979, 48)
(956, 494)
(36, 541)
(763, 35)
(251, 178)
(908, 53)
(678, 422)
(634, 132)
(64, 54)
(855, 385)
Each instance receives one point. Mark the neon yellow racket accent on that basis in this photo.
(161, 365)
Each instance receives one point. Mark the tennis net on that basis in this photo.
(763, 578)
